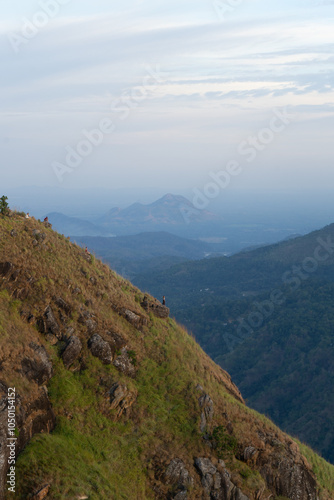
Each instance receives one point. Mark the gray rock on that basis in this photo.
(100, 349)
(50, 323)
(290, 479)
(217, 481)
(177, 474)
(37, 366)
(121, 398)
(91, 325)
(131, 317)
(182, 495)
(216, 485)
(160, 311)
(205, 466)
(124, 364)
(248, 453)
(207, 482)
(72, 351)
(206, 404)
(63, 305)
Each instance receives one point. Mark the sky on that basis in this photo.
(163, 95)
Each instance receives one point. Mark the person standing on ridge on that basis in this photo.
(163, 300)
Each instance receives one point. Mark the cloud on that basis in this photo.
(221, 75)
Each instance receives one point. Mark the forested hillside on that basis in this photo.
(267, 316)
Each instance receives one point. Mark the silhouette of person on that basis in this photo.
(163, 300)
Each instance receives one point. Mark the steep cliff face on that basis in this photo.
(114, 400)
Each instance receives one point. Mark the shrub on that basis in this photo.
(4, 210)
(223, 442)
(132, 355)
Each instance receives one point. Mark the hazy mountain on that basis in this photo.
(169, 213)
(178, 216)
(74, 226)
(114, 400)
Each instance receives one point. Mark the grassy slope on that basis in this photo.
(90, 453)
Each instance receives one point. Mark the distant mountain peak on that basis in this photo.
(168, 211)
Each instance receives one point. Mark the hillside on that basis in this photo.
(276, 303)
(114, 400)
(250, 272)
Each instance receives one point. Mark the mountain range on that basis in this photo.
(178, 216)
(170, 213)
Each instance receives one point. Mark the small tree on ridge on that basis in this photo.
(4, 210)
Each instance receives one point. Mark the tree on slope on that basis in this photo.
(4, 210)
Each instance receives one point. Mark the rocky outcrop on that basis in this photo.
(178, 475)
(206, 405)
(48, 323)
(72, 351)
(285, 471)
(86, 318)
(216, 481)
(159, 310)
(36, 366)
(63, 305)
(124, 364)
(293, 480)
(121, 399)
(290, 479)
(100, 349)
(133, 318)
